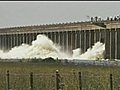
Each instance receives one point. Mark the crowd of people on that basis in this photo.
(98, 18)
(116, 18)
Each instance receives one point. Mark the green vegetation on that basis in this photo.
(44, 76)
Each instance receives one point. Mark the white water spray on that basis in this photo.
(94, 53)
(43, 47)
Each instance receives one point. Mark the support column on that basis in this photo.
(59, 38)
(76, 39)
(25, 35)
(3, 42)
(71, 39)
(107, 44)
(99, 35)
(35, 35)
(17, 40)
(8, 42)
(116, 44)
(54, 37)
(23, 39)
(48, 35)
(11, 40)
(63, 46)
(89, 38)
(26, 38)
(5, 45)
(51, 36)
(84, 40)
(0, 42)
(67, 41)
(110, 44)
(29, 38)
(80, 40)
(94, 36)
(32, 36)
(113, 44)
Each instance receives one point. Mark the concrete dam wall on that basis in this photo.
(68, 35)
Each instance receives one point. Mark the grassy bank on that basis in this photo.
(93, 77)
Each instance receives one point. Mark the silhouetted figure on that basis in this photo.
(115, 18)
(91, 19)
(96, 18)
(108, 18)
(111, 18)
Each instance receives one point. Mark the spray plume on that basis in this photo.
(43, 47)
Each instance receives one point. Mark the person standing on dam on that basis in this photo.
(91, 19)
(96, 18)
(111, 18)
(115, 18)
(107, 18)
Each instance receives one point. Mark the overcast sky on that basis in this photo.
(22, 13)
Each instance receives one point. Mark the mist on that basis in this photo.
(43, 47)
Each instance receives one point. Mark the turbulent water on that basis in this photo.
(94, 53)
(43, 47)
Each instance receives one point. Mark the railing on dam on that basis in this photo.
(47, 27)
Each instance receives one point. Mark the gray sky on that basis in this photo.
(23, 13)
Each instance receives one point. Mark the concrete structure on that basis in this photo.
(69, 35)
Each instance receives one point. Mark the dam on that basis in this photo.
(69, 36)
